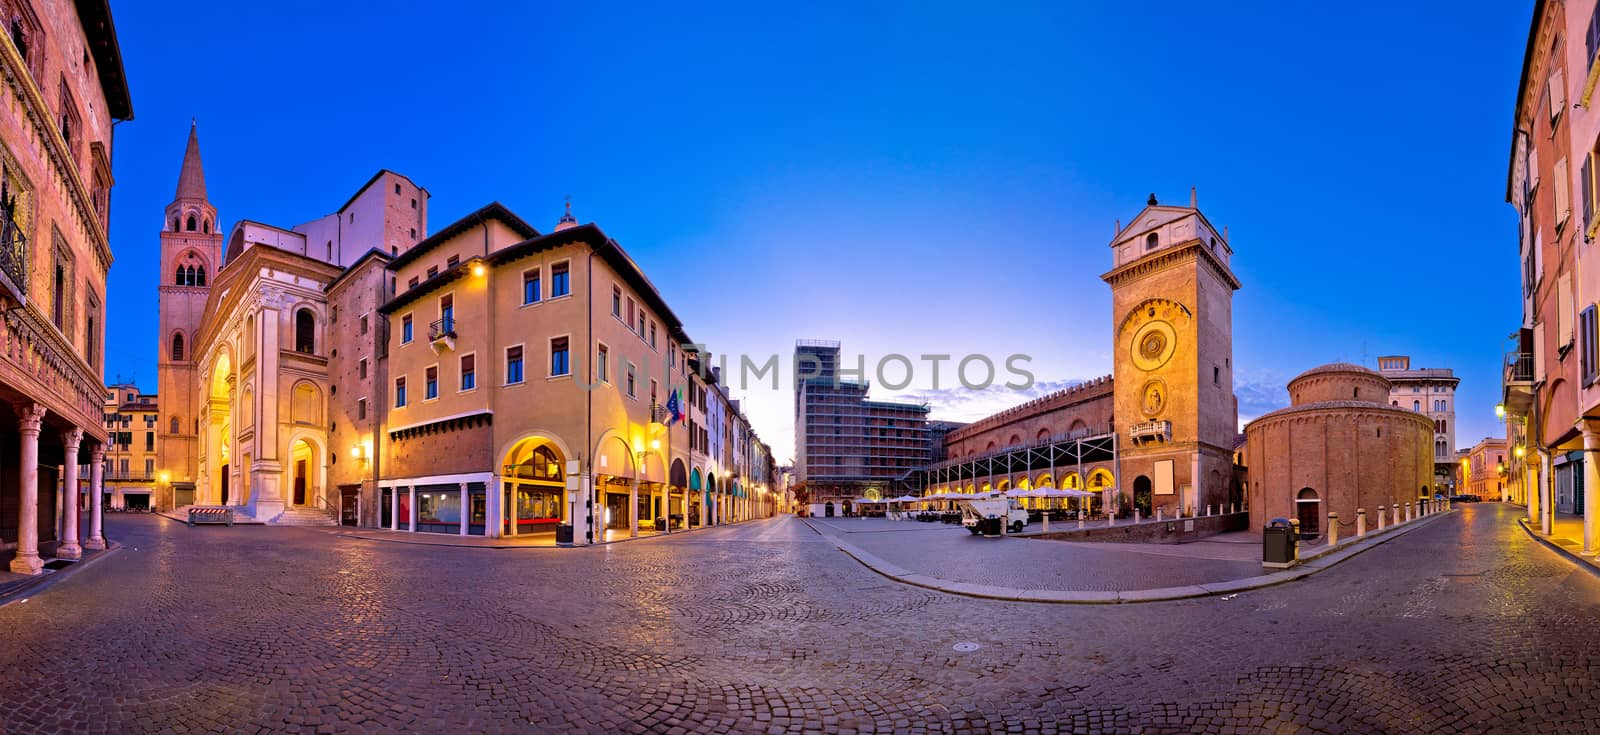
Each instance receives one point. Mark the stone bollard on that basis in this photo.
(1158, 515)
(1135, 515)
(1381, 510)
(1333, 529)
(1111, 519)
(1080, 520)
(1361, 522)
(1394, 514)
(1409, 512)
(1209, 509)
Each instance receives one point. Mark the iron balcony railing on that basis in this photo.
(441, 329)
(13, 252)
(1519, 367)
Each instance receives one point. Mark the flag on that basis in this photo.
(674, 413)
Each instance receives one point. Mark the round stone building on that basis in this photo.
(1339, 446)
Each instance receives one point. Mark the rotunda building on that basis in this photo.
(1339, 447)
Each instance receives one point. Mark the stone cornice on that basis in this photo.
(1341, 409)
(1170, 257)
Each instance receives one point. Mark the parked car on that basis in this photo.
(1465, 498)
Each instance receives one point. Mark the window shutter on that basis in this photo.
(1586, 181)
(1558, 93)
(1533, 170)
(1563, 204)
(1586, 345)
(1564, 310)
(1538, 352)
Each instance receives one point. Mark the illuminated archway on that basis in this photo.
(534, 486)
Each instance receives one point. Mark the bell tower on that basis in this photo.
(1172, 326)
(191, 249)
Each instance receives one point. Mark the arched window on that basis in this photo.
(175, 226)
(191, 223)
(205, 226)
(1416, 405)
(177, 348)
(305, 339)
(199, 275)
(178, 278)
(1151, 241)
(174, 425)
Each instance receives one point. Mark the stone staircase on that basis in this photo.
(305, 517)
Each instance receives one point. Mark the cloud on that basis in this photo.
(1259, 393)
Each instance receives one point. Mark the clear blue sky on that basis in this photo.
(905, 177)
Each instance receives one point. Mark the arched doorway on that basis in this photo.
(697, 511)
(827, 510)
(302, 462)
(1142, 495)
(1308, 509)
(533, 488)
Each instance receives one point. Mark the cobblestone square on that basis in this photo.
(766, 627)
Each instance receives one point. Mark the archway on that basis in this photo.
(1142, 497)
(1308, 508)
(697, 512)
(614, 477)
(533, 490)
(714, 514)
(305, 490)
(218, 436)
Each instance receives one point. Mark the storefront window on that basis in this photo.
(439, 509)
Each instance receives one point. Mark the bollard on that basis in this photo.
(1046, 517)
(1409, 515)
(1080, 520)
(1361, 522)
(1394, 514)
(1209, 509)
(1333, 529)
(1158, 515)
(1380, 517)
(1111, 519)
(1135, 515)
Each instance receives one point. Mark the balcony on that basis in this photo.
(442, 335)
(13, 259)
(1160, 431)
(1516, 384)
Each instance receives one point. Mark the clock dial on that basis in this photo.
(1153, 345)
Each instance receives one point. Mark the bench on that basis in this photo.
(211, 515)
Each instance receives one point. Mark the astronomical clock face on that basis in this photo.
(1151, 330)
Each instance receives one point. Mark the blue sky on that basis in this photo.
(904, 177)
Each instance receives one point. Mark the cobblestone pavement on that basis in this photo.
(1464, 625)
(952, 554)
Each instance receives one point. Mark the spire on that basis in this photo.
(567, 220)
(192, 179)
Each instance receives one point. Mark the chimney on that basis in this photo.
(1194, 198)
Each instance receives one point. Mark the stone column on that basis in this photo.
(69, 547)
(97, 460)
(464, 507)
(1546, 493)
(494, 519)
(27, 559)
(633, 508)
(1591, 487)
(394, 509)
(516, 510)
(411, 513)
(1530, 490)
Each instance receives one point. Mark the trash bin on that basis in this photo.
(990, 526)
(564, 534)
(1279, 544)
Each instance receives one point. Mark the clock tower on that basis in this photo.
(1172, 326)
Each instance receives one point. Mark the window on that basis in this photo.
(177, 348)
(560, 283)
(1416, 406)
(559, 364)
(1586, 182)
(629, 320)
(361, 368)
(433, 270)
(1216, 375)
(616, 301)
(1151, 241)
(397, 188)
(174, 425)
(631, 391)
(1586, 345)
(653, 393)
(1563, 205)
(305, 339)
(412, 283)
(405, 329)
(430, 383)
(363, 329)
(641, 322)
(447, 313)
(413, 203)
(361, 408)
(400, 392)
(149, 441)
(149, 468)
(601, 363)
(652, 335)
(452, 261)
(530, 286)
(469, 372)
(513, 365)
